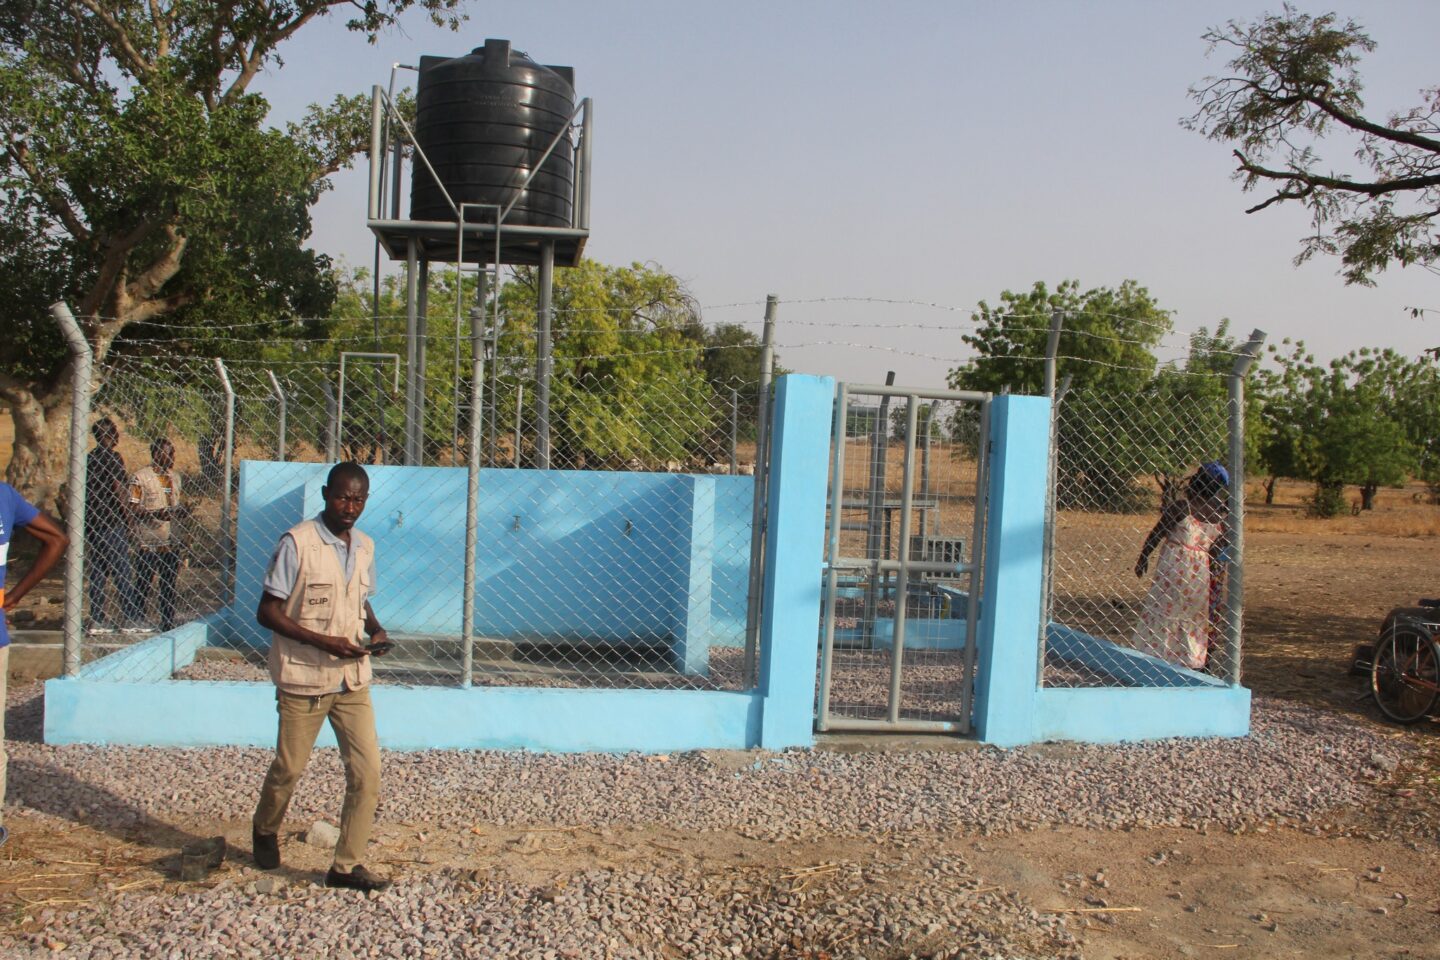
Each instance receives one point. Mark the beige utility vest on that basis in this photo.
(152, 493)
(324, 602)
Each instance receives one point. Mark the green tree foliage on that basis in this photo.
(1292, 87)
(139, 180)
(632, 368)
(732, 362)
(1113, 330)
(1366, 419)
(1107, 340)
(1183, 414)
(627, 383)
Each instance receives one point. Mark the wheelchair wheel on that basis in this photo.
(1405, 674)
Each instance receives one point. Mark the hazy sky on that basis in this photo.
(916, 151)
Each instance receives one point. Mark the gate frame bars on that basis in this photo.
(903, 565)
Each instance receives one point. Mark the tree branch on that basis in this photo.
(260, 51)
(55, 201)
(1356, 122)
(109, 281)
(147, 284)
(1315, 180)
(163, 305)
(123, 44)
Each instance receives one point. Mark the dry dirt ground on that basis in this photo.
(1363, 883)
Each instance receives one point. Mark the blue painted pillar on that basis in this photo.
(794, 544)
(694, 582)
(1007, 671)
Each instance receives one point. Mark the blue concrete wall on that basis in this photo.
(794, 541)
(1007, 666)
(106, 706)
(187, 713)
(581, 555)
(1106, 657)
(1011, 707)
(657, 529)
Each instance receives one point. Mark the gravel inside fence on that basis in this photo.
(1297, 764)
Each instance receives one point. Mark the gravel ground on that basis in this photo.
(933, 907)
(1298, 764)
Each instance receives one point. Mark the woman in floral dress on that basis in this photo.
(1175, 617)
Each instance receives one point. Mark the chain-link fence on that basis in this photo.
(1140, 540)
(627, 563)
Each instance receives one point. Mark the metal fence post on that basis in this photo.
(1052, 357)
(332, 424)
(472, 490)
(734, 432)
(1052, 351)
(227, 537)
(75, 496)
(834, 523)
(280, 399)
(1235, 567)
(519, 405)
(542, 355)
(757, 512)
(412, 417)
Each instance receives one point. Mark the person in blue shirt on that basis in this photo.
(17, 513)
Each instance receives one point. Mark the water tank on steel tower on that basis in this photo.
(484, 120)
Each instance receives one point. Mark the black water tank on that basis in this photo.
(484, 120)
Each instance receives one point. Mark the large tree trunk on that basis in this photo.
(1367, 495)
(1270, 490)
(40, 457)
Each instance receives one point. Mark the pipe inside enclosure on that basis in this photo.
(377, 164)
(761, 490)
(280, 400)
(472, 490)
(422, 360)
(902, 582)
(928, 420)
(582, 209)
(1235, 565)
(876, 513)
(460, 224)
(227, 536)
(81, 377)
(542, 356)
(396, 182)
(412, 271)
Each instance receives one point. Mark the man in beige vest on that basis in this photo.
(315, 601)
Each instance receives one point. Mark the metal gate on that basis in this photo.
(903, 555)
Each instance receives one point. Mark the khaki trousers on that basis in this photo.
(353, 720)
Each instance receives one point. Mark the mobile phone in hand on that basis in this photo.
(378, 649)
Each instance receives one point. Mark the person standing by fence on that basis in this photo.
(16, 513)
(316, 602)
(1175, 618)
(107, 534)
(155, 504)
